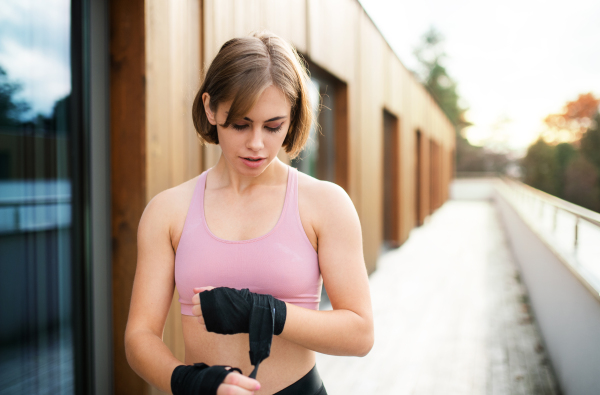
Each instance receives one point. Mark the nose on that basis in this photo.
(255, 139)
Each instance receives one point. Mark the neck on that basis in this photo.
(223, 175)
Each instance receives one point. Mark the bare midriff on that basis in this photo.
(287, 363)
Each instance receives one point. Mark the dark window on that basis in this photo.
(41, 204)
(326, 153)
(318, 157)
(391, 184)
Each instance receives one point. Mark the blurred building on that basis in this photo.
(96, 120)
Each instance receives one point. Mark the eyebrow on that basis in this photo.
(268, 120)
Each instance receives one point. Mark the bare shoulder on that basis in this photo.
(167, 210)
(324, 202)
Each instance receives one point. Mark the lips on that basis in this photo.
(253, 162)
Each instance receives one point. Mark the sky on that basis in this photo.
(515, 61)
(35, 50)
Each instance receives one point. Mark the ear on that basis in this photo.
(212, 117)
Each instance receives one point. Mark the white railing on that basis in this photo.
(571, 231)
(34, 205)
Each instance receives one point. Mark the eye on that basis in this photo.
(274, 129)
(239, 127)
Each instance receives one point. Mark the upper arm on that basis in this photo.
(340, 252)
(154, 281)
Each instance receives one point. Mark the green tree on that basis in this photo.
(581, 184)
(443, 88)
(541, 168)
(11, 109)
(565, 153)
(590, 142)
(431, 54)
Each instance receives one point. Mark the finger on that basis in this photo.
(196, 299)
(242, 381)
(197, 310)
(201, 321)
(202, 289)
(228, 389)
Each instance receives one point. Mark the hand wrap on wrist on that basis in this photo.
(228, 311)
(198, 379)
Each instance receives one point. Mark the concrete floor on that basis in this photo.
(451, 316)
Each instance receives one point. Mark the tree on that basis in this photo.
(581, 184)
(564, 153)
(590, 142)
(541, 168)
(573, 121)
(430, 54)
(11, 109)
(434, 76)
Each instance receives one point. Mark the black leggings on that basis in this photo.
(310, 384)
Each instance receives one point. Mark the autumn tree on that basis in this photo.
(590, 142)
(570, 124)
(571, 168)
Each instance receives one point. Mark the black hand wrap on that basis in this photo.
(228, 311)
(198, 379)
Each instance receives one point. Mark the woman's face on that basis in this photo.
(250, 144)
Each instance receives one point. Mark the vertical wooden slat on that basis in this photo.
(342, 137)
(425, 176)
(173, 34)
(418, 179)
(396, 184)
(128, 165)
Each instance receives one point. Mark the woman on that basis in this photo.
(251, 222)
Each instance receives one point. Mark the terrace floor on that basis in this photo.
(451, 316)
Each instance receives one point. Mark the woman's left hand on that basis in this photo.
(196, 308)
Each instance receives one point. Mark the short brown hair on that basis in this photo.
(241, 71)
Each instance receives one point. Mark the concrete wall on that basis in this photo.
(567, 313)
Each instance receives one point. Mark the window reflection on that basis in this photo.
(318, 157)
(36, 341)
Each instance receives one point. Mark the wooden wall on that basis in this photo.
(173, 73)
(180, 38)
(128, 170)
(339, 37)
(155, 72)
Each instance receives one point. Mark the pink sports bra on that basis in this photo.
(282, 263)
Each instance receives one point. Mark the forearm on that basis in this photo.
(335, 332)
(151, 359)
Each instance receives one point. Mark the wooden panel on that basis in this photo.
(342, 137)
(391, 179)
(174, 150)
(418, 179)
(425, 177)
(173, 77)
(128, 163)
(337, 21)
(371, 87)
(287, 19)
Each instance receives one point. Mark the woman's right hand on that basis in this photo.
(237, 384)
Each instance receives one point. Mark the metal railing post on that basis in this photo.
(576, 232)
